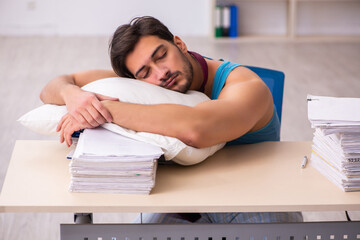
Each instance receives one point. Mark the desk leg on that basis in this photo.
(83, 218)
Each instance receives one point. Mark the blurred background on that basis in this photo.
(315, 43)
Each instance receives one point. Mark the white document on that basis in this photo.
(99, 142)
(340, 110)
(336, 142)
(108, 162)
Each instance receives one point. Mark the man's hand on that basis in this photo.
(87, 109)
(67, 126)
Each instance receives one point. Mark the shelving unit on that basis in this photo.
(294, 19)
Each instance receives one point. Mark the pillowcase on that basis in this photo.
(44, 119)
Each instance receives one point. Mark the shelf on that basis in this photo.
(294, 20)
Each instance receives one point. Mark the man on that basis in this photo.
(241, 109)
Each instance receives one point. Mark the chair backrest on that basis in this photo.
(275, 82)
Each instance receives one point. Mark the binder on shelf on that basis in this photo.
(225, 21)
(233, 30)
(218, 21)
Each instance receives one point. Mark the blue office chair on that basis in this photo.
(275, 82)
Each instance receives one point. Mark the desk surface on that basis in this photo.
(257, 177)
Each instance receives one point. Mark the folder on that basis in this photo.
(233, 30)
(225, 21)
(218, 21)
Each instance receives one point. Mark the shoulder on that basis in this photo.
(242, 81)
(241, 85)
(235, 74)
(242, 74)
(246, 92)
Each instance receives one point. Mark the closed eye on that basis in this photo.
(163, 55)
(146, 73)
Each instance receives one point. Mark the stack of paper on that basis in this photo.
(107, 162)
(336, 143)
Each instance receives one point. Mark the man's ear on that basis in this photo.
(181, 45)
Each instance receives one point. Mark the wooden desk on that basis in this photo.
(257, 177)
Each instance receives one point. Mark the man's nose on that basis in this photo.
(162, 72)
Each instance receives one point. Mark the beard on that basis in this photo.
(187, 74)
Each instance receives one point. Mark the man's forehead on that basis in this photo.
(147, 44)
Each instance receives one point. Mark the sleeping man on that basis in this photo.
(241, 109)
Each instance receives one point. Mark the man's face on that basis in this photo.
(160, 62)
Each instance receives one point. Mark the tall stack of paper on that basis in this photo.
(336, 143)
(107, 162)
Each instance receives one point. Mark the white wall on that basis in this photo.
(184, 17)
(329, 17)
(100, 17)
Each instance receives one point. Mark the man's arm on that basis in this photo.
(84, 106)
(245, 104)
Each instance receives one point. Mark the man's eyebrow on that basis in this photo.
(152, 56)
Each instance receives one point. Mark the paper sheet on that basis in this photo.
(336, 142)
(108, 162)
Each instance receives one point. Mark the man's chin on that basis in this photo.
(183, 88)
(179, 90)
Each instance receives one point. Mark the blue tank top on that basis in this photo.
(271, 132)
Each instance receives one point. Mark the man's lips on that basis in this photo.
(168, 83)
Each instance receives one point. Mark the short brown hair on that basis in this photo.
(127, 36)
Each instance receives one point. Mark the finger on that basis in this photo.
(85, 119)
(68, 136)
(89, 118)
(97, 116)
(61, 122)
(103, 97)
(103, 111)
(67, 132)
(63, 127)
(61, 137)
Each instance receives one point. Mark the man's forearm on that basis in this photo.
(55, 91)
(204, 125)
(165, 119)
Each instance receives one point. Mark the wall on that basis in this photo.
(100, 17)
(184, 18)
(328, 17)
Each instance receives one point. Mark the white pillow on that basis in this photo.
(44, 119)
